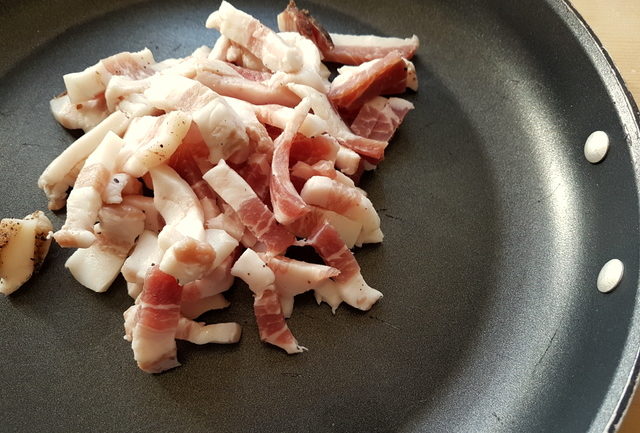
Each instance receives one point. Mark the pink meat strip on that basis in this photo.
(156, 322)
(253, 213)
(379, 118)
(245, 89)
(387, 75)
(354, 50)
(293, 19)
(288, 206)
(272, 326)
(302, 170)
(257, 172)
(313, 149)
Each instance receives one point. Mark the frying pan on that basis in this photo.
(496, 228)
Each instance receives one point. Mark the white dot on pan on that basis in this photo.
(596, 146)
(610, 275)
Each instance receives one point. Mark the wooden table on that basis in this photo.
(617, 24)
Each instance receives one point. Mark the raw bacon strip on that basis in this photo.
(348, 229)
(279, 116)
(253, 213)
(350, 202)
(205, 294)
(312, 73)
(380, 117)
(357, 49)
(349, 286)
(294, 277)
(271, 324)
(220, 126)
(24, 243)
(313, 149)
(260, 140)
(387, 75)
(86, 85)
(228, 221)
(85, 115)
(287, 204)
(199, 333)
(85, 199)
(158, 144)
(411, 81)
(61, 173)
(156, 322)
(97, 266)
(266, 306)
(293, 19)
(177, 203)
(257, 172)
(261, 41)
(247, 90)
(304, 171)
(336, 127)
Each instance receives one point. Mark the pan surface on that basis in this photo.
(496, 228)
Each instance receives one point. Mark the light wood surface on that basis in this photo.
(617, 25)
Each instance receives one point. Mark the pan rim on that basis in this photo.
(612, 79)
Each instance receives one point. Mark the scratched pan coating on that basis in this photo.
(496, 227)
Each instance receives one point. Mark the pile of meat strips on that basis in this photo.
(205, 168)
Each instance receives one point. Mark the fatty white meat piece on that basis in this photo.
(329, 194)
(144, 255)
(312, 73)
(205, 294)
(153, 220)
(24, 243)
(346, 72)
(277, 115)
(258, 39)
(357, 49)
(97, 266)
(200, 333)
(159, 144)
(259, 138)
(85, 115)
(127, 95)
(86, 197)
(61, 173)
(220, 126)
(293, 277)
(223, 244)
(251, 269)
(120, 184)
(188, 260)
(251, 91)
(86, 85)
(177, 203)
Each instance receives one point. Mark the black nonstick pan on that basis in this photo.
(495, 227)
